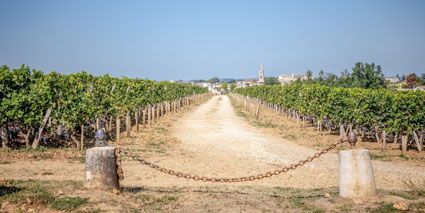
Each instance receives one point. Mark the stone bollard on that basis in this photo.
(356, 178)
(101, 168)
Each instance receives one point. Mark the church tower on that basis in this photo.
(261, 75)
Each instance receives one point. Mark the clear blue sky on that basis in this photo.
(203, 39)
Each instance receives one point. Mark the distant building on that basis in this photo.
(250, 82)
(240, 84)
(392, 80)
(287, 79)
(261, 75)
(421, 88)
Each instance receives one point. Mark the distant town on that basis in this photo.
(215, 84)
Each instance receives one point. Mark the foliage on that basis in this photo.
(271, 81)
(232, 86)
(224, 86)
(366, 76)
(309, 74)
(396, 111)
(76, 99)
(213, 80)
(411, 80)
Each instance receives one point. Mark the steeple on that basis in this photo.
(261, 74)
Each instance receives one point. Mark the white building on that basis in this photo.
(287, 79)
(392, 80)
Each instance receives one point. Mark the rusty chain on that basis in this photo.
(238, 179)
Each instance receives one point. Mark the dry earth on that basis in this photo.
(212, 140)
(215, 142)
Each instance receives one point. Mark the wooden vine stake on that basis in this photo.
(4, 138)
(384, 139)
(136, 117)
(82, 138)
(153, 114)
(144, 117)
(40, 130)
(118, 125)
(257, 113)
(418, 144)
(149, 115)
(128, 124)
(404, 144)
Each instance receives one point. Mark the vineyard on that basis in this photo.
(57, 107)
(398, 116)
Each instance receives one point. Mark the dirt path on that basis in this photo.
(211, 140)
(214, 141)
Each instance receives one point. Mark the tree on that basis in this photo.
(411, 80)
(224, 86)
(321, 74)
(309, 74)
(423, 76)
(271, 81)
(232, 86)
(213, 80)
(403, 77)
(345, 74)
(368, 76)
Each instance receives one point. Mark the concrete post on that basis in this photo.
(356, 179)
(101, 168)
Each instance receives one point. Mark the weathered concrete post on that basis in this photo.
(101, 169)
(356, 179)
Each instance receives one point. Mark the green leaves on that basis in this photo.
(397, 111)
(26, 95)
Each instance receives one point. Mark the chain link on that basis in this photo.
(237, 179)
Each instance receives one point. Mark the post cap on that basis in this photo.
(352, 138)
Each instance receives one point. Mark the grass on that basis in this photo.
(403, 157)
(376, 157)
(68, 203)
(40, 193)
(29, 150)
(156, 202)
(90, 211)
(81, 159)
(5, 162)
(416, 187)
(160, 129)
(266, 124)
(345, 208)
(290, 137)
(402, 194)
(383, 208)
(237, 108)
(417, 207)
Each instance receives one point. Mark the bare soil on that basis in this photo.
(216, 139)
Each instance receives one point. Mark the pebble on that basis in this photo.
(327, 195)
(401, 206)
(116, 191)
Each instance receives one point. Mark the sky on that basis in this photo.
(164, 40)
